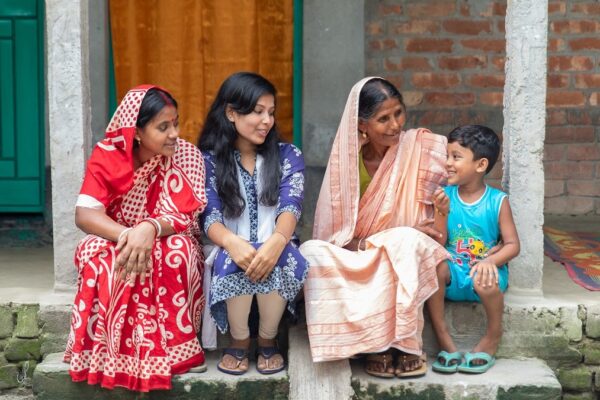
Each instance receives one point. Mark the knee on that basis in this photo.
(443, 272)
(486, 291)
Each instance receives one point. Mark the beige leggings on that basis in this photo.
(270, 308)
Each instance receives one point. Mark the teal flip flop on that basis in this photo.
(449, 362)
(468, 366)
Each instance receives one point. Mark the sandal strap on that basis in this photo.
(381, 358)
(470, 357)
(238, 354)
(268, 351)
(405, 358)
(449, 357)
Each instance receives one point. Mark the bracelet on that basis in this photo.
(155, 224)
(123, 232)
(284, 237)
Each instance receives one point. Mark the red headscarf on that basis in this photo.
(110, 167)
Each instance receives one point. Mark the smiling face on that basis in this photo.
(384, 127)
(159, 135)
(254, 127)
(461, 166)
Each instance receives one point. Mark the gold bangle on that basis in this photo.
(284, 237)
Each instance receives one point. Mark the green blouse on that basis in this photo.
(365, 178)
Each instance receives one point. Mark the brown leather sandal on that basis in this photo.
(404, 362)
(380, 365)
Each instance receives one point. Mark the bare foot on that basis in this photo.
(238, 363)
(410, 365)
(272, 363)
(380, 364)
(409, 362)
(488, 344)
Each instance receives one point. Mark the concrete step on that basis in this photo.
(509, 379)
(529, 330)
(51, 381)
(17, 394)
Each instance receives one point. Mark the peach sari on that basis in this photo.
(368, 301)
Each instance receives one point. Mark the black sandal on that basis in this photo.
(267, 353)
(240, 355)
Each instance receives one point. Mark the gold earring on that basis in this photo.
(364, 135)
(139, 140)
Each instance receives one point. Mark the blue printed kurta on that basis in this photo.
(228, 280)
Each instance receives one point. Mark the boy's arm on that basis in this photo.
(510, 239)
(441, 208)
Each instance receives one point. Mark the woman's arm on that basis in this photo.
(134, 244)
(240, 251)
(95, 222)
(270, 251)
(289, 210)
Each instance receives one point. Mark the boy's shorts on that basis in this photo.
(461, 284)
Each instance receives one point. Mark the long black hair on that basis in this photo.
(240, 92)
(373, 93)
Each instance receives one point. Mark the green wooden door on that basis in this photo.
(21, 106)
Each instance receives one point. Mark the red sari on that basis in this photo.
(125, 333)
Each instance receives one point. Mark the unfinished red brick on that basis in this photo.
(430, 9)
(589, 43)
(450, 99)
(491, 98)
(584, 81)
(569, 134)
(587, 152)
(415, 26)
(570, 63)
(418, 45)
(429, 80)
(575, 26)
(486, 81)
(558, 81)
(467, 27)
(491, 45)
(404, 63)
(565, 99)
(456, 63)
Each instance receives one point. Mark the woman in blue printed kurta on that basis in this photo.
(254, 186)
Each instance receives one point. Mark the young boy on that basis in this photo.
(473, 217)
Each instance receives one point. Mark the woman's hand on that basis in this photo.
(240, 251)
(135, 248)
(266, 258)
(426, 227)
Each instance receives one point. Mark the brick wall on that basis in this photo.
(447, 58)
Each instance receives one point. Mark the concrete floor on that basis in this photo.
(27, 275)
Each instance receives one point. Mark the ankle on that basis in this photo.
(240, 344)
(262, 342)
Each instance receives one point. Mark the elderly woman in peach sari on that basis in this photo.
(373, 262)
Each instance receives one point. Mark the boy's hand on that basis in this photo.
(484, 273)
(441, 202)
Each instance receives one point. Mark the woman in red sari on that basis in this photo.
(139, 300)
